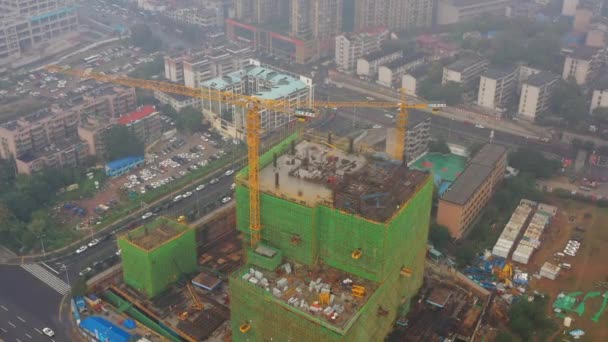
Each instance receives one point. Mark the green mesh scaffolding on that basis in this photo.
(309, 235)
(150, 267)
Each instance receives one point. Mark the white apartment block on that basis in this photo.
(349, 47)
(208, 18)
(176, 101)
(319, 19)
(455, 11)
(393, 14)
(27, 24)
(598, 99)
(261, 81)
(496, 87)
(411, 80)
(368, 65)
(583, 64)
(389, 75)
(536, 95)
(465, 71)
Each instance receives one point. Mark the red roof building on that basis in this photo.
(136, 115)
(145, 123)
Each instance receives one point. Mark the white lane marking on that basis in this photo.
(47, 277)
(4, 307)
(50, 268)
(21, 319)
(18, 340)
(28, 336)
(38, 331)
(11, 324)
(3, 330)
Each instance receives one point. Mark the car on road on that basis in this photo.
(81, 249)
(226, 199)
(48, 331)
(229, 172)
(146, 216)
(377, 126)
(93, 243)
(479, 126)
(177, 198)
(85, 271)
(213, 181)
(369, 98)
(200, 187)
(119, 252)
(187, 194)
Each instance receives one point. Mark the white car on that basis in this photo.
(48, 332)
(85, 272)
(187, 194)
(119, 252)
(81, 249)
(177, 198)
(146, 216)
(377, 126)
(479, 126)
(229, 172)
(93, 243)
(213, 181)
(226, 199)
(200, 187)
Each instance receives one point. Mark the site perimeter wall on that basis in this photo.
(150, 272)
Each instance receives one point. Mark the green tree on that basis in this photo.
(504, 336)
(150, 70)
(440, 146)
(465, 254)
(143, 37)
(474, 148)
(120, 143)
(79, 287)
(568, 102)
(529, 320)
(601, 114)
(439, 236)
(451, 93)
(189, 120)
(533, 162)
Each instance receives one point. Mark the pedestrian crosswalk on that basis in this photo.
(47, 277)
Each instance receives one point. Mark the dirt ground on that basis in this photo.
(588, 266)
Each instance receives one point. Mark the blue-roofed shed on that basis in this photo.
(119, 167)
(104, 330)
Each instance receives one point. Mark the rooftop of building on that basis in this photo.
(381, 53)
(178, 97)
(475, 174)
(104, 329)
(282, 84)
(465, 62)
(58, 145)
(324, 174)
(139, 114)
(541, 78)
(406, 59)
(342, 306)
(465, 3)
(420, 70)
(583, 52)
(498, 73)
(366, 33)
(155, 233)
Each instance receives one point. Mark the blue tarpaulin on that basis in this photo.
(104, 330)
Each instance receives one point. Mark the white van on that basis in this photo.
(565, 266)
(560, 255)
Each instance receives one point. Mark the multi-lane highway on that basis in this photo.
(26, 307)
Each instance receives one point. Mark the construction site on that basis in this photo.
(342, 247)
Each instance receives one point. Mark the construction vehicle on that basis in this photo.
(197, 304)
(505, 274)
(253, 105)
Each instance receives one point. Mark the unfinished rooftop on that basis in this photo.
(352, 182)
(156, 233)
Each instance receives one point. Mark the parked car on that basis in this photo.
(81, 249)
(177, 198)
(146, 216)
(93, 243)
(229, 172)
(226, 199)
(200, 187)
(48, 332)
(213, 181)
(85, 271)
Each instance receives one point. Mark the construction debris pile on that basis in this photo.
(330, 294)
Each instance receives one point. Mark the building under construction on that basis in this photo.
(342, 248)
(157, 254)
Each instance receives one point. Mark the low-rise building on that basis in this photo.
(351, 46)
(411, 81)
(389, 74)
(206, 18)
(258, 80)
(583, 64)
(465, 71)
(368, 65)
(536, 95)
(176, 101)
(462, 202)
(496, 88)
(456, 11)
(436, 46)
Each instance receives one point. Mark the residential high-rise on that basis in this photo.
(27, 24)
(350, 47)
(536, 94)
(393, 14)
(456, 11)
(256, 11)
(583, 64)
(496, 87)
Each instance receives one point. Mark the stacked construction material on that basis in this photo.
(549, 271)
(505, 242)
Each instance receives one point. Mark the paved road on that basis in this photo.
(27, 306)
(452, 130)
(201, 201)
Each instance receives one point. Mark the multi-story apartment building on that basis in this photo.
(93, 130)
(536, 94)
(107, 102)
(368, 65)
(455, 11)
(418, 138)
(144, 123)
(389, 74)
(496, 88)
(258, 11)
(176, 101)
(47, 137)
(261, 81)
(412, 79)
(465, 71)
(27, 24)
(394, 14)
(206, 18)
(598, 99)
(215, 63)
(351, 46)
(583, 64)
(597, 36)
(462, 202)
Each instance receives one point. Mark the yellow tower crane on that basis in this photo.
(253, 105)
